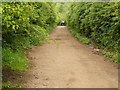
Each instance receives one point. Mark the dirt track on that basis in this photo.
(64, 63)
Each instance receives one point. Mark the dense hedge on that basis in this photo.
(98, 21)
(24, 24)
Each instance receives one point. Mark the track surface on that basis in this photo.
(64, 62)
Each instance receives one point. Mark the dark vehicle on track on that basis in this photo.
(62, 23)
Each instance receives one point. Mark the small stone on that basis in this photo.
(44, 84)
(36, 77)
(46, 78)
(97, 50)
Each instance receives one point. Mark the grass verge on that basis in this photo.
(8, 84)
(115, 56)
(81, 38)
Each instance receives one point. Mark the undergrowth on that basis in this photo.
(81, 38)
(8, 84)
(14, 55)
(24, 24)
(98, 22)
(106, 53)
(16, 60)
(113, 55)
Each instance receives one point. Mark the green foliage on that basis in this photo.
(15, 60)
(119, 57)
(19, 15)
(8, 84)
(39, 35)
(24, 24)
(98, 21)
(112, 55)
(81, 38)
(61, 11)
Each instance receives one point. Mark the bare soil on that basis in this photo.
(64, 62)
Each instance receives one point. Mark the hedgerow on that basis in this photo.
(98, 21)
(24, 24)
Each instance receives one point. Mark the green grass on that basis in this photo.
(81, 38)
(8, 84)
(15, 60)
(113, 55)
(14, 55)
(20, 43)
